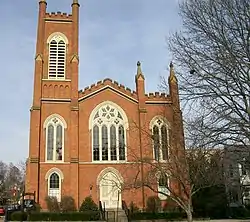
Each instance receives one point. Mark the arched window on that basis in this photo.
(108, 124)
(54, 128)
(54, 186)
(57, 57)
(163, 186)
(160, 136)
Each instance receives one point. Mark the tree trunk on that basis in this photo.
(189, 215)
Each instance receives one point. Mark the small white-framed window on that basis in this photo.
(160, 138)
(54, 186)
(55, 130)
(57, 43)
(54, 178)
(108, 123)
(242, 167)
(163, 187)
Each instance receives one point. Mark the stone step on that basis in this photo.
(116, 215)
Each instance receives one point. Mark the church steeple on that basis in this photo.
(140, 85)
(172, 77)
(139, 72)
(173, 86)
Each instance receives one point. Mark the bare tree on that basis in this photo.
(22, 168)
(213, 53)
(3, 175)
(11, 179)
(181, 176)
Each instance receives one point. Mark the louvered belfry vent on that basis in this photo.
(57, 57)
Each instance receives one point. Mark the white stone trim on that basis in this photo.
(55, 115)
(107, 102)
(108, 170)
(110, 183)
(59, 35)
(61, 177)
(155, 118)
(57, 63)
(54, 170)
(63, 123)
(56, 80)
(118, 115)
(153, 123)
(163, 189)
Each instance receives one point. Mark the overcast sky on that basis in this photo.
(114, 35)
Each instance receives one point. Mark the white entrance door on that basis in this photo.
(110, 194)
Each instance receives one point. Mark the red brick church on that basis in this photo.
(89, 142)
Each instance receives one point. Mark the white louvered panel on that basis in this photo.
(57, 59)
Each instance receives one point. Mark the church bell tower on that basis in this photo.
(55, 97)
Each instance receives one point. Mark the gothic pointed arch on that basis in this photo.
(110, 183)
(57, 45)
(54, 179)
(57, 116)
(109, 170)
(108, 124)
(159, 118)
(52, 170)
(160, 130)
(106, 105)
(58, 35)
(163, 185)
(54, 126)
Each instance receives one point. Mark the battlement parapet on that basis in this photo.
(157, 96)
(58, 16)
(107, 82)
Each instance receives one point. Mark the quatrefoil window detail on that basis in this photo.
(108, 134)
(55, 120)
(109, 113)
(159, 121)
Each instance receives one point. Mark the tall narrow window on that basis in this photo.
(57, 58)
(160, 140)
(54, 186)
(164, 142)
(231, 170)
(121, 143)
(104, 142)
(96, 150)
(59, 130)
(55, 139)
(50, 142)
(163, 186)
(156, 143)
(112, 133)
(113, 143)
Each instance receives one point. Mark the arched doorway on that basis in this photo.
(110, 190)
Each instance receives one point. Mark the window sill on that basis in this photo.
(109, 162)
(63, 80)
(55, 162)
(160, 161)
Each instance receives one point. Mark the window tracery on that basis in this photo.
(54, 129)
(108, 134)
(160, 139)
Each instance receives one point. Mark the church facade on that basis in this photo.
(93, 141)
